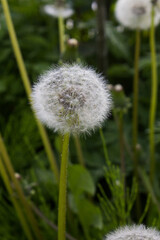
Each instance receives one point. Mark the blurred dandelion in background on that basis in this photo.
(134, 232)
(59, 9)
(135, 14)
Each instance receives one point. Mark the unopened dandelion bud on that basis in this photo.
(17, 176)
(134, 233)
(110, 87)
(71, 98)
(118, 88)
(138, 147)
(135, 14)
(72, 42)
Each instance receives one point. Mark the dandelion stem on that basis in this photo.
(14, 201)
(61, 35)
(79, 151)
(121, 142)
(63, 189)
(154, 91)
(135, 101)
(27, 85)
(22, 198)
(104, 146)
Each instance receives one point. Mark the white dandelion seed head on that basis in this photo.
(71, 98)
(134, 233)
(135, 14)
(58, 10)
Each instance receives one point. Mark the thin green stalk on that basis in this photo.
(27, 85)
(22, 198)
(104, 146)
(135, 101)
(79, 151)
(17, 206)
(135, 112)
(121, 142)
(63, 189)
(61, 35)
(154, 91)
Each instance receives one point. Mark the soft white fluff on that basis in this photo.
(58, 11)
(135, 14)
(134, 233)
(71, 98)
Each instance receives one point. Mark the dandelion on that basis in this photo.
(59, 9)
(134, 232)
(135, 14)
(71, 98)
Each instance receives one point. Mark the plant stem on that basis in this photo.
(63, 189)
(121, 143)
(49, 222)
(135, 101)
(22, 198)
(101, 38)
(104, 146)
(79, 151)
(153, 105)
(27, 85)
(61, 35)
(15, 202)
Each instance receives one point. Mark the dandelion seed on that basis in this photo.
(135, 14)
(71, 98)
(134, 233)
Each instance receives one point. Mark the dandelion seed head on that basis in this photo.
(71, 98)
(58, 10)
(135, 14)
(134, 233)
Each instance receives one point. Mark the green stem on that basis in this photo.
(63, 189)
(27, 85)
(22, 198)
(135, 101)
(79, 151)
(153, 98)
(61, 35)
(17, 206)
(121, 142)
(104, 146)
